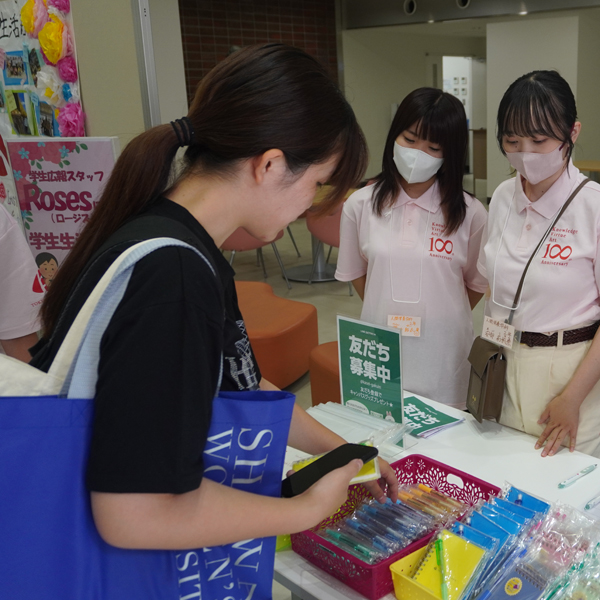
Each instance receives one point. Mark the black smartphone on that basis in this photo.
(301, 480)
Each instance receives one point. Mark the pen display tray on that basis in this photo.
(375, 581)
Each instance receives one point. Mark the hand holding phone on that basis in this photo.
(301, 480)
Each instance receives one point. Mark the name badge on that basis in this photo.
(498, 332)
(410, 326)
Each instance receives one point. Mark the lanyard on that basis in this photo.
(391, 234)
(496, 258)
(517, 300)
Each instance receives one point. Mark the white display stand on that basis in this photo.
(486, 450)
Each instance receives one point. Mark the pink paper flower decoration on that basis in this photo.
(70, 120)
(62, 5)
(67, 42)
(40, 16)
(67, 69)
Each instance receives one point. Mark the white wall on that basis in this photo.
(478, 94)
(518, 47)
(457, 79)
(458, 82)
(108, 71)
(382, 65)
(109, 76)
(168, 57)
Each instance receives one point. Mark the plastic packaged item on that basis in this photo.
(522, 521)
(375, 581)
(485, 541)
(521, 498)
(509, 525)
(517, 509)
(450, 565)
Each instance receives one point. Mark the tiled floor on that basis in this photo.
(330, 299)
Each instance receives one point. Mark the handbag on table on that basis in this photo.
(488, 363)
(50, 548)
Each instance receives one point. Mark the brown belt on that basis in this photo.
(583, 334)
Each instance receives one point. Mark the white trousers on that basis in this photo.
(534, 376)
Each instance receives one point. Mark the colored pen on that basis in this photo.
(439, 553)
(574, 478)
(593, 502)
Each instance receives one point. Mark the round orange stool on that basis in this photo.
(282, 331)
(324, 371)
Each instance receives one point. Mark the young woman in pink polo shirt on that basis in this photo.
(552, 388)
(410, 241)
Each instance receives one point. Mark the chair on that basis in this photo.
(326, 229)
(282, 332)
(240, 240)
(324, 368)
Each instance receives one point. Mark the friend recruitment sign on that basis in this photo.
(370, 368)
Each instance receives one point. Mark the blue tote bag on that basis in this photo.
(49, 546)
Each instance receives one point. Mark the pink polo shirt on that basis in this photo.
(19, 303)
(414, 270)
(561, 285)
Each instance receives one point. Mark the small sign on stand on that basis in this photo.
(370, 368)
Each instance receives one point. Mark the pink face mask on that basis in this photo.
(536, 167)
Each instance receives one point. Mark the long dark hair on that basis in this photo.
(440, 118)
(538, 103)
(261, 97)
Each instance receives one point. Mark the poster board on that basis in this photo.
(371, 368)
(39, 84)
(58, 183)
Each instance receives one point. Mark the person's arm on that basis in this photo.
(561, 415)
(308, 435)
(214, 514)
(474, 297)
(19, 347)
(359, 285)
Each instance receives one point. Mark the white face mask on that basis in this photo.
(536, 167)
(414, 165)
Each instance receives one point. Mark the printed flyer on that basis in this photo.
(58, 184)
(370, 368)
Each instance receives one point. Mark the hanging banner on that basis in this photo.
(58, 184)
(370, 369)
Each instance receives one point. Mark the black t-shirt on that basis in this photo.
(159, 363)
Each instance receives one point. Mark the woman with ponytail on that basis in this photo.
(266, 128)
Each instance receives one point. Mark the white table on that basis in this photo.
(486, 450)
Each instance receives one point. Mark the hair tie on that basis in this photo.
(184, 131)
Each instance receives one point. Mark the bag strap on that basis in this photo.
(77, 358)
(558, 216)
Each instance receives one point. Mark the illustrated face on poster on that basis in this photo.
(15, 72)
(48, 265)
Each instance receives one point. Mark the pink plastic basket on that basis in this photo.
(375, 581)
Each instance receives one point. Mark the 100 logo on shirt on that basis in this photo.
(555, 251)
(440, 245)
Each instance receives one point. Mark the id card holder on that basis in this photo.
(410, 326)
(500, 333)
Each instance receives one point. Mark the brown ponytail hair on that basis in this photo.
(259, 98)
